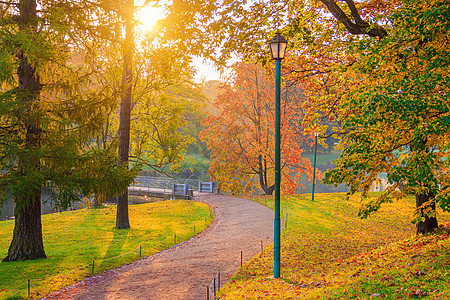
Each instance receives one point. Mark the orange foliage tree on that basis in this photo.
(241, 136)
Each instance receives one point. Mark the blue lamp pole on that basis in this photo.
(277, 48)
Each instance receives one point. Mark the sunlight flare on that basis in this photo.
(149, 15)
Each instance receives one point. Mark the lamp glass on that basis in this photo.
(278, 47)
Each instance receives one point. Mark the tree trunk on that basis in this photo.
(27, 236)
(27, 240)
(270, 189)
(95, 202)
(262, 173)
(122, 220)
(430, 222)
(428, 212)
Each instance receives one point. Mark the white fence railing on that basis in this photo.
(164, 182)
(167, 183)
(206, 187)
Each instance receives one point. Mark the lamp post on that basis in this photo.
(314, 171)
(277, 48)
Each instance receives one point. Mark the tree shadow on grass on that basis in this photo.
(115, 248)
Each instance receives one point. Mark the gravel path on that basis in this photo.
(184, 271)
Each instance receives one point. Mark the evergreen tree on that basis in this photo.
(50, 108)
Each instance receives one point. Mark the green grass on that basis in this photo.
(72, 240)
(327, 252)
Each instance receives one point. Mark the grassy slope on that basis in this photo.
(329, 253)
(72, 240)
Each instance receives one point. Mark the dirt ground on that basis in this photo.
(184, 271)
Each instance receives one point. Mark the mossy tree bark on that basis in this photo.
(27, 240)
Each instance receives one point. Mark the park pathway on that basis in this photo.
(184, 271)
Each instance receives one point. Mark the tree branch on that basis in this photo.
(355, 14)
(359, 26)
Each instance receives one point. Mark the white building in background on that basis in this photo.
(380, 185)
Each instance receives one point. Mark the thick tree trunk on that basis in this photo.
(430, 222)
(27, 240)
(428, 212)
(27, 237)
(122, 220)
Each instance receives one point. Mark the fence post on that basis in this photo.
(207, 292)
(218, 281)
(29, 288)
(286, 221)
(241, 259)
(93, 264)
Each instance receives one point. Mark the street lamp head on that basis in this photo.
(278, 46)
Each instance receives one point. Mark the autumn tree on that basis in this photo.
(241, 136)
(367, 51)
(375, 80)
(49, 113)
(179, 32)
(122, 220)
(164, 103)
(398, 112)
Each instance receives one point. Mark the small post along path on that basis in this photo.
(184, 271)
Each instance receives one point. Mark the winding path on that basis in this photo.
(184, 271)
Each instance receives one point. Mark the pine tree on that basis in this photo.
(50, 108)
